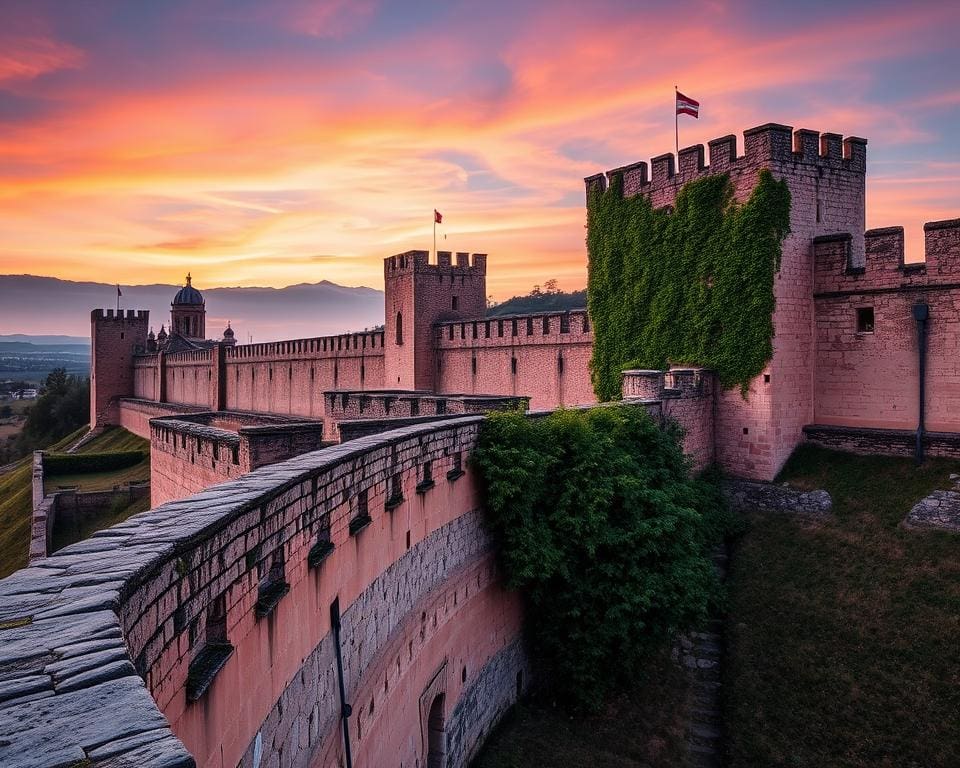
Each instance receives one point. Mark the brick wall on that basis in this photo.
(423, 613)
(114, 340)
(870, 377)
(825, 174)
(543, 356)
(418, 295)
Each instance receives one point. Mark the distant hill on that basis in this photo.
(47, 305)
(59, 341)
(553, 301)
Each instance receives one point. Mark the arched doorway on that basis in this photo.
(436, 737)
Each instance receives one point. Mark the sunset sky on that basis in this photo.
(271, 143)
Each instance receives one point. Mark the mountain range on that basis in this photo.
(35, 305)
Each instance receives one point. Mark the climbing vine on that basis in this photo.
(692, 285)
(599, 524)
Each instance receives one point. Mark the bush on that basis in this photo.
(598, 522)
(81, 463)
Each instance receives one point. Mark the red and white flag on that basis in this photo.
(687, 106)
(437, 216)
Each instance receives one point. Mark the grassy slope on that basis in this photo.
(16, 501)
(113, 440)
(645, 730)
(842, 637)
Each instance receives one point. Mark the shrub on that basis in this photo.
(81, 463)
(599, 524)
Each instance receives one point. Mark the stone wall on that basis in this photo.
(423, 613)
(889, 442)
(825, 174)
(191, 452)
(114, 341)
(870, 377)
(545, 357)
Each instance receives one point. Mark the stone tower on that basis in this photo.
(188, 313)
(114, 339)
(826, 177)
(419, 294)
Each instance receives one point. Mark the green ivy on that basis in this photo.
(692, 285)
(597, 521)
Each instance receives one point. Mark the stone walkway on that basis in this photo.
(701, 654)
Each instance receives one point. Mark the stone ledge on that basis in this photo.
(746, 495)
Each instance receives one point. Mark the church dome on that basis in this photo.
(228, 333)
(188, 296)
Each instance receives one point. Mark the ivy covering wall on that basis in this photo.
(598, 522)
(692, 285)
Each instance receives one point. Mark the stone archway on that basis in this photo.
(436, 735)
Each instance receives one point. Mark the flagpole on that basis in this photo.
(676, 122)
(118, 300)
(434, 235)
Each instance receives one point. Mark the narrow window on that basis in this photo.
(864, 319)
(273, 586)
(426, 480)
(546, 326)
(513, 328)
(456, 302)
(457, 469)
(399, 328)
(486, 329)
(474, 329)
(441, 407)
(450, 331)
(361, 518)
(513, 365)
(500, 328)
(560, 364)
(395, 495)
(586, 323)
(473, 365)
(529, 326)
(565, 322)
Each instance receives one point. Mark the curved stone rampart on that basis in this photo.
(200, 632)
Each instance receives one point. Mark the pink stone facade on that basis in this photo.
(437, 339)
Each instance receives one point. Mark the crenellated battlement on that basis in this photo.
(770, 145)
(461, 263)
(885, 265)
(367, 342)
(569, 327)
(140, 315)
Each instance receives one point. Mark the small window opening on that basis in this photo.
(473, 365)
(766, 378)
(546, 326)
(456, 302)
(746, 430)
(399, 328)
(529, 326)
(457, 469)
(362, 518)
(865, 320)
(426, 479)
(273, 586)
(513, 365)
(395, 495)
(513, 328)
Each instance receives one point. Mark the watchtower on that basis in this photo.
(114, 339)
(188, 312)
(826, 177)
(419, 294)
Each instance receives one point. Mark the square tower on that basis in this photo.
(418, 294)
(114, 339)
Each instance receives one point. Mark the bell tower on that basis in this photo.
(188, 312)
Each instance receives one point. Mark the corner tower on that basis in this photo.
(826, 177)
(114, 339)
(418, 294)
(188, 312)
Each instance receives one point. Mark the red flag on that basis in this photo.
(118, 290)
(437, 217)
(687, 106)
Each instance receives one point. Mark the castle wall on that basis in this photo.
(114, 341)
(290, 377)
(134, 415)
(543, 356)
(826, 177)
(189, 378)
(423, 614)
(146, 377)
(871, 378)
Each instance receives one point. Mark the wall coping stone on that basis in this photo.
(62, 654)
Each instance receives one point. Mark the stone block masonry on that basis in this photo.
(145, 601)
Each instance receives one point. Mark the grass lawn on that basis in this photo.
(843, 639)
(16, 503)
(643, 730)
(113, 440)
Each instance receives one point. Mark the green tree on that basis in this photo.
(599, 524)
(62, 408)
